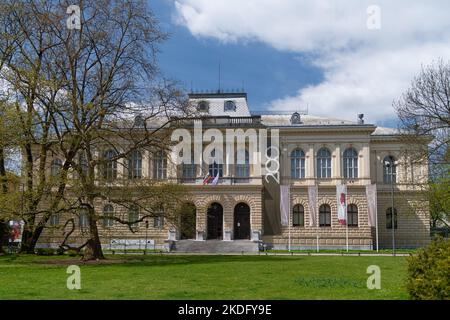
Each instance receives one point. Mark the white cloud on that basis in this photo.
(364, 70)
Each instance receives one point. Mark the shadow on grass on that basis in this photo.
(163, 260)
(147, 260)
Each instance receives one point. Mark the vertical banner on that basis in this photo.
(341, 198)
(371, 194)
(312, 204)
(284, 204)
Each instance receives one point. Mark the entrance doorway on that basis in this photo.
(187, 221)
(215, 221)
(242, 221)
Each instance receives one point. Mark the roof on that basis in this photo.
(306, 120)
(383, 131)
(217, 101)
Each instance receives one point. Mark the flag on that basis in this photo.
(371, 194)
(207, 179)
(341, 198)
(284, 204)
(312, 204)
(216, 179)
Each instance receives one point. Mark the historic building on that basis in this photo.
(234, 207)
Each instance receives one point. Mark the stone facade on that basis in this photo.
(309, 134)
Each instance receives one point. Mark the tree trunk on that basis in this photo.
(2, 235)
(93, 249)
(4, 190)
(3, 178)
(29, 240)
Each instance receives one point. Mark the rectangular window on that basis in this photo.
(298, 219)
(325, 219)
(189, 172)
(389, 221)
(158, 222)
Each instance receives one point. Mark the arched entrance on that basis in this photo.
(215, 221)
(187, 221)
(241, 221)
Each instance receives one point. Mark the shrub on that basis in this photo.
(45, 252)
(72, 253)
(429, 272)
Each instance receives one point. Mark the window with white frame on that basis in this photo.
(135, 165)
(297, 164)
(324, 164)
(350, 160)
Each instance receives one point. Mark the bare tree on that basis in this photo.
(27, 38)
(424, 111)
(78, 91)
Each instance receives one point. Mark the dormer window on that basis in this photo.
(296, 119)
(203, 106)
(230, 106)
(139, 121)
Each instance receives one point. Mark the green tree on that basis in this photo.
(429, 272)
(439, 199)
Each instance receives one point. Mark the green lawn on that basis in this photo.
(203, 277)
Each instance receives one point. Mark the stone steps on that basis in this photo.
(215, 246)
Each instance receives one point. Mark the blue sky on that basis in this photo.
(340, 58)
(267, 74)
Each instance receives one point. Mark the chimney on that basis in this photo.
(360, 118)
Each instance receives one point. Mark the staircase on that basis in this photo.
(214, 246)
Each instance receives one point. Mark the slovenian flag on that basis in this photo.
(207, 179)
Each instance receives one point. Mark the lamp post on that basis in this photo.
(390, 164)
(146, 236)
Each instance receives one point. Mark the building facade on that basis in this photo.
(235, 201)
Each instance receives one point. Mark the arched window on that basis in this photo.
(203, 106)
(215, 168)
(139, 121)
(108, 213)
(55, 167)
(242, 166)
(133, 216)
(83, 219)
(298, 216)
(135, 165)
(229, 106)
(54, 220)
(296, 118)
(110, 169)
(323, 163)
(389, 218)
(160, 165)
(297, 164)
(352, 215)
(350, 164)
(389, 170)
(325, 215)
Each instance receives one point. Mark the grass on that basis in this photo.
(339, 251)
(202, 277)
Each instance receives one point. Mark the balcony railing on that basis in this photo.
(222, 121)
(222, 180)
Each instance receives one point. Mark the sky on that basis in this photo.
(337, 58)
